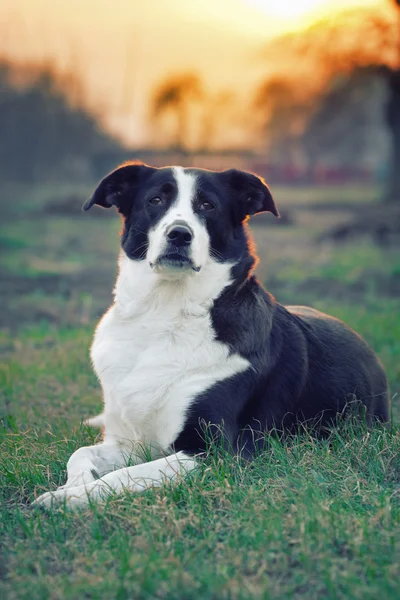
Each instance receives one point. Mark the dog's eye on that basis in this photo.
(206, 205)
(157, 201)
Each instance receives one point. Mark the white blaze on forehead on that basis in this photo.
(183, 205)
(181, 209)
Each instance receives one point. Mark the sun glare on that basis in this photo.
(288, 9)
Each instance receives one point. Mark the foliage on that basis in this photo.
(197, 115)
(327, 115)
(44, 127)
(344, 124)
(174, 95)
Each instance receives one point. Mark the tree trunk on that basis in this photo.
(181, 127)
(393, 120)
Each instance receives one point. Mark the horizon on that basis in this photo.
(120, 69)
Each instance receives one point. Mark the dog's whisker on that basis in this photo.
(215, 254)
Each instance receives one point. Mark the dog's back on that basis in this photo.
(343, 369)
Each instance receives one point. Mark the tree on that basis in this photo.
(346, 126)
(358, 39)
(393, 118)
(283, 106)
(44, 133)
(217, 114)
(174, 96)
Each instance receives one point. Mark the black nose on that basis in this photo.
(179, 235)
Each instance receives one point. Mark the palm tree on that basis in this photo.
(218, 113)
(174, 96)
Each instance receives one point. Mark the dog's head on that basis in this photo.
(179, 219)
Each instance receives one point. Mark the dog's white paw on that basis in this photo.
(80, 479)
(72, 497)
(59, 497)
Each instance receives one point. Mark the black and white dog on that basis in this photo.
(192, 337)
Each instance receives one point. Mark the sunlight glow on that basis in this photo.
(288, 9)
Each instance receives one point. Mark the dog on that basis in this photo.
(193, 338)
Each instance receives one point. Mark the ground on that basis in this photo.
(308, 519)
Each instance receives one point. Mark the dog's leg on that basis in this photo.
(135, 479)
(96, 421)
(90, 463)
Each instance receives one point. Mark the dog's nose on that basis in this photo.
(179, 234)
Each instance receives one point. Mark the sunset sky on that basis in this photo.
(122, 48)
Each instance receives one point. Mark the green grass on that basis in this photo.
(307, 519)
(17, 198)
(54, 245)
(347, 265)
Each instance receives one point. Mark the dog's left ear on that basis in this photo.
(119, 187)
(252, 193)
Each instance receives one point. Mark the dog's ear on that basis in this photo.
(119, 187)
(251, 193)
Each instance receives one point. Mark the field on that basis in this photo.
(307, 519)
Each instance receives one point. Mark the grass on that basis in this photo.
(307, 519)
(353, 194)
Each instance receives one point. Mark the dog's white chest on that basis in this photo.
(154, 361)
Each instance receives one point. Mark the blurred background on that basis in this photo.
(303, 92)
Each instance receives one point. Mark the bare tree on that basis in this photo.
(174, 96)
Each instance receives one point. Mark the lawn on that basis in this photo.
(307, 519)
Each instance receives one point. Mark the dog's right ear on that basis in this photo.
(119, 187)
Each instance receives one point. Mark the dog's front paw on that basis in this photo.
(80, 479)
(62, 496)
(71, 497)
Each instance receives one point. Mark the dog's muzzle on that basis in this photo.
(176, 255)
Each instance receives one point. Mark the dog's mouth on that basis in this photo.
(175, 261)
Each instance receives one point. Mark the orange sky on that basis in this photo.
(122, 48)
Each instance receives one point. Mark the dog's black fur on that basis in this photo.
(305, 366)
(308, 368)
